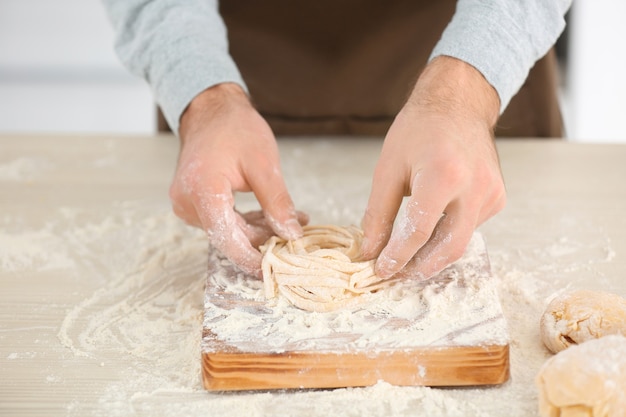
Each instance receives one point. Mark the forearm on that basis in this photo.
(451, 86)
(503, 40)
(207, 103)
(179, 48)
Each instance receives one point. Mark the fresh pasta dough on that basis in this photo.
(320, 271)
(586, 380)
(582, 315)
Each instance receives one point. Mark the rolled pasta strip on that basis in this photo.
(320, 271)
(314, 262)
(305, 302)
(319, 294)
(313, 281)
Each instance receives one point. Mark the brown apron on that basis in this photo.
(346, 66)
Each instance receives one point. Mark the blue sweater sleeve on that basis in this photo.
(503, 38)
(179, 47)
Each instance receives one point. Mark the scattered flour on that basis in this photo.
(24, 168)
(36, 249)
(144, 323)
(459, 307)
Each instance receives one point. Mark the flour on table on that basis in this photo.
(144, 323)
(24, 168)
(454, 309)
(40, 249)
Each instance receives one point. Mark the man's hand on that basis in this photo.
(440, 152)
(226, 146)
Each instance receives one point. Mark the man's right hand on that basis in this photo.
(226, 147)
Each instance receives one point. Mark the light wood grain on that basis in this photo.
(431, 366)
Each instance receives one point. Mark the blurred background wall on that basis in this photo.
(58, 72)
(595, 72)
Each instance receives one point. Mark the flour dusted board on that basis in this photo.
(449, 331)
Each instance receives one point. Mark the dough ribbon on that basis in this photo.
(320, 271)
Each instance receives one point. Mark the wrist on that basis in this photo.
(452, 86)
(209, 102)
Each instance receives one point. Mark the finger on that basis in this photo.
(383, 205)
(447, 244)
(256, 228)
(219, 219)
(493, 206)
(271, 192)
(182, 205)
(185, 210)
(415, 226)
(257, 218)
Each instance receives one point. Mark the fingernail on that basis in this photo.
(386, 267)
(292, 229)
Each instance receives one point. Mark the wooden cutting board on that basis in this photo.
(449, 331)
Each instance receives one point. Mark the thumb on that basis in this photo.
(384, 201)
(277, 205)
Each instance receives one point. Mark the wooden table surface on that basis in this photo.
(101, 286)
